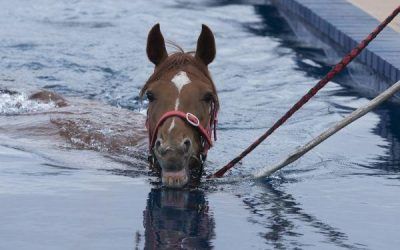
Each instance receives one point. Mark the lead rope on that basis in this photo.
(314, 90)
(358, 113)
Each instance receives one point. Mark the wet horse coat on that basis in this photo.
(183, 105)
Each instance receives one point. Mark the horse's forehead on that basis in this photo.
(175, 82)
(180, 79)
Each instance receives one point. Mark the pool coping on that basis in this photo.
(340, 21)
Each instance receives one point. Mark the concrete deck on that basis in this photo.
(347, 22)
(379, 9)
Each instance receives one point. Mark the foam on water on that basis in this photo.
(12, 104)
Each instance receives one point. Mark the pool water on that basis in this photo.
(343, 194)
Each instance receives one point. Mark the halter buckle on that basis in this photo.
(192, 119)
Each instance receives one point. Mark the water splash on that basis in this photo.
(19, 103)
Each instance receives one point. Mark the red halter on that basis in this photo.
(191, 119)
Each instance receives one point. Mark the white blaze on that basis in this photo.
(172, 125)
(179, 80)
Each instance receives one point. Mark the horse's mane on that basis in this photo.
(177, 60)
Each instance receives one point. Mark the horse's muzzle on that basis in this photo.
(174, 163)
(176, 179)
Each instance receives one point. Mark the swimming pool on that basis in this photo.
(343, 194)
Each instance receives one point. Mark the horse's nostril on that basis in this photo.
(158, 144)
(187, 143)
(160, 148)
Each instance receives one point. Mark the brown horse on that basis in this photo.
(183, 105)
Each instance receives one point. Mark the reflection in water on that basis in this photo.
(389, 128)
(173, 218)
(273, 24)
(282, 216)
(177, 219)
(180, 219)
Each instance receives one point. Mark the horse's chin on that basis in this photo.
(175, 179)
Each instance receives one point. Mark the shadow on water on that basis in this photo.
(177, 219)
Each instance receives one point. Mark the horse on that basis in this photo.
(182, 109)
(74, 132)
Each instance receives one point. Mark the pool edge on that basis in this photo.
(346, 31)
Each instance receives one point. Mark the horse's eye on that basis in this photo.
(208, 97)
(150, 96)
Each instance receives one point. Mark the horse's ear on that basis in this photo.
(156, 51)
(205, 50)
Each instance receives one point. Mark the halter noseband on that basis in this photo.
(192, 120)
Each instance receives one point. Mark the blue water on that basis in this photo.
(343, 194)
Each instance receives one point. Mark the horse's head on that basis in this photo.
(182, 108)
